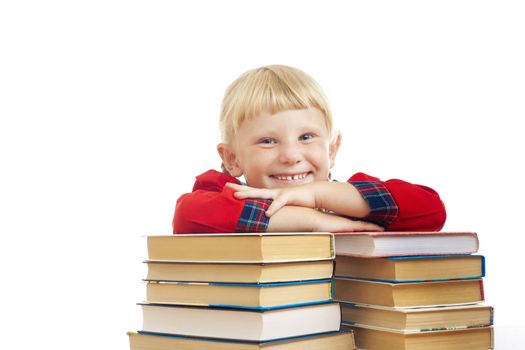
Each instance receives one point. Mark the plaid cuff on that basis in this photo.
(252, 218)
(383, 207)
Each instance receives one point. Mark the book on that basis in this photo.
(380, 244)
(249, 296)
(372, 338)
(242, 248)
(409, 294)
(226, 323)
(411, 268)
(418, 319)
(342, 340)
(239, 273)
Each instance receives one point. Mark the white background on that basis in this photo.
(109, 109)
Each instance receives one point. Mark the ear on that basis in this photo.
(229, 159)
(334, 147)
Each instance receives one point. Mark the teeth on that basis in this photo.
(291, 177)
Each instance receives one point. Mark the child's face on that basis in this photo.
(284, 149)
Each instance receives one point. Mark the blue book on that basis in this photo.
(341, 340)
(411, 268)
(253, 296)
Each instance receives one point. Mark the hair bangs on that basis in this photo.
(270, 89)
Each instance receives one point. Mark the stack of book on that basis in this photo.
(415, 290)
(241, 291)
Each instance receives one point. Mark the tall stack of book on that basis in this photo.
(241, 291)
(413, 291)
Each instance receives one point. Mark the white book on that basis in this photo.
(241, 324)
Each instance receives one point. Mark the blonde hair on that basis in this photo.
(273, 89)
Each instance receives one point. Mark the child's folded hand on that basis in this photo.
(301, 195)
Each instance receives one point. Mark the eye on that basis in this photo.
(306, 137)
(267, 141)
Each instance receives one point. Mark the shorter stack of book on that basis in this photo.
(241, 291)
(417, 290)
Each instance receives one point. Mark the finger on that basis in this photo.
(237, 187)
(246, 194)
(367, 226)
(254, 193)
(275, 206)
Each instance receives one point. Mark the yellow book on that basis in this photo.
(239, 273)
(408, 294)
(411, 268)
(417, 319)
(250, 296)
(343, 340)
(371, 338)
(242, 248)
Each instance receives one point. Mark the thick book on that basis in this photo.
(239, 273)
(240, 324)
(242, 248)
(436, 293)
(258, 296)
(411, 268)
(366, 337)
(381, 244)
(418, 319)
(342, 340)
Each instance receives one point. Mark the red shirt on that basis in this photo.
(394, 204)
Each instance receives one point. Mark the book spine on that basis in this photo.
(481, 290)
(332, 247)
(264, 308)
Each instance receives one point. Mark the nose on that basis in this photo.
(290, 154)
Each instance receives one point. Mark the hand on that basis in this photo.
(301, 195)
(300, 219)
(334, 223)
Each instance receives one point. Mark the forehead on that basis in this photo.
(288, 120)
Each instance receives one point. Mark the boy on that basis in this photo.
(277, 131)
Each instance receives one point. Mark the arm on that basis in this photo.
(212, 208)
(340, 198)
(394, 204)
(206, 212)
(301, 219)
(401, 205)
(219, 212)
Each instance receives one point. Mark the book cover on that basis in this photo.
(253, 296)
(384, 244)
(420, 294)
(340, 340)
(411, 268)
(227, 323)
(476, 338)
(242, 248)
(418, 319)
(239, 273)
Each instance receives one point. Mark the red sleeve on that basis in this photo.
(210, 207)
(419, 208)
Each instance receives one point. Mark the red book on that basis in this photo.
(384, 244)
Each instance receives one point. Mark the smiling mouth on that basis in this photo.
(290, 177)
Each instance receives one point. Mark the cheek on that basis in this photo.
(256, 163)
(261, 158)
(321, 154)
(321, 159)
